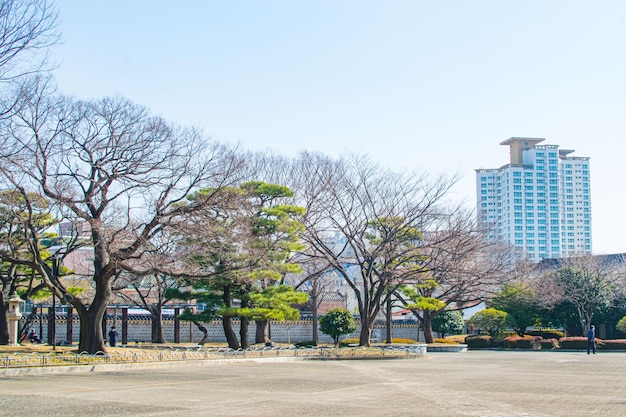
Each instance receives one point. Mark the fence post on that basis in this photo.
(69, 323)
(176, 325)
(124, 326)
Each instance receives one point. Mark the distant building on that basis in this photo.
(540, 201)
(74, 229)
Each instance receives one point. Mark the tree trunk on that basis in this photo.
(244, 327)
(244, 333)
(366, 331)
(262, 334)
(389, 335)
(91, 338)
(315, 321)
(4, 325)
(227, 321)
(427, 327)
(157, 325)
(204, 331)
(231, 336)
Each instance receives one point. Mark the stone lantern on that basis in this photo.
(13, 317)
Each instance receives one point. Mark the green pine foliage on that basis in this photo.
(245, 252)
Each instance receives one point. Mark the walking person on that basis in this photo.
(591, 340)
(113, 337)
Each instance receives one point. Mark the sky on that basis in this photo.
(416, 85)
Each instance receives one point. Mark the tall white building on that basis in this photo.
(540, 201)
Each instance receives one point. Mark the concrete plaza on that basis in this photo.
(483, 383)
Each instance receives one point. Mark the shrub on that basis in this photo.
(403, 341)
(621, 325)
(497, 343)
(457, 338)
(506, 333)
(478, 342)
(349, 341)
(614, 344)
(489, 319)
(446, 341)
(306, 343)
(546, 333)
(336, 323)
(579, 343)
(549, 343)
(448, 322)
(526, 342)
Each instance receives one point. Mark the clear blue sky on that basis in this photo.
(419, 85)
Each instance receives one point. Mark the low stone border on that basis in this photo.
(447, 348)
(134, 356)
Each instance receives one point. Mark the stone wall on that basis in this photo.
(283, 332)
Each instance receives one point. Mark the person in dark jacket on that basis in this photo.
(32, 336)
(591, 340)
(113, 336)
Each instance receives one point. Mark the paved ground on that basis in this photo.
(489, 384)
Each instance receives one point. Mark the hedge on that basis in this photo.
(526, 342)
(536, 342)
(307, 343)
(349, 341)
(578, 343)
(402, 341)
(445, 341)
(477, 342)
(549, 343)
(614, 344)
(546, 333)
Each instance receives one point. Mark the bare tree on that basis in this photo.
(113, 166)
(461, 267)
(368, 224)
(316, 282)
(28, 28)
(150, 293)
(588, 283)
(156, 286)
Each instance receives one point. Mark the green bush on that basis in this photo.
(621, 325)
(336, 323)
(306, 343)
(549, 343)
(579, 343)
(614, 344)
(489, 319)
(448, 322)
(526, 342)
(546, 333)
(478, 342)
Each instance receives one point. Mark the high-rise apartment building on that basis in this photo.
(540, 201)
